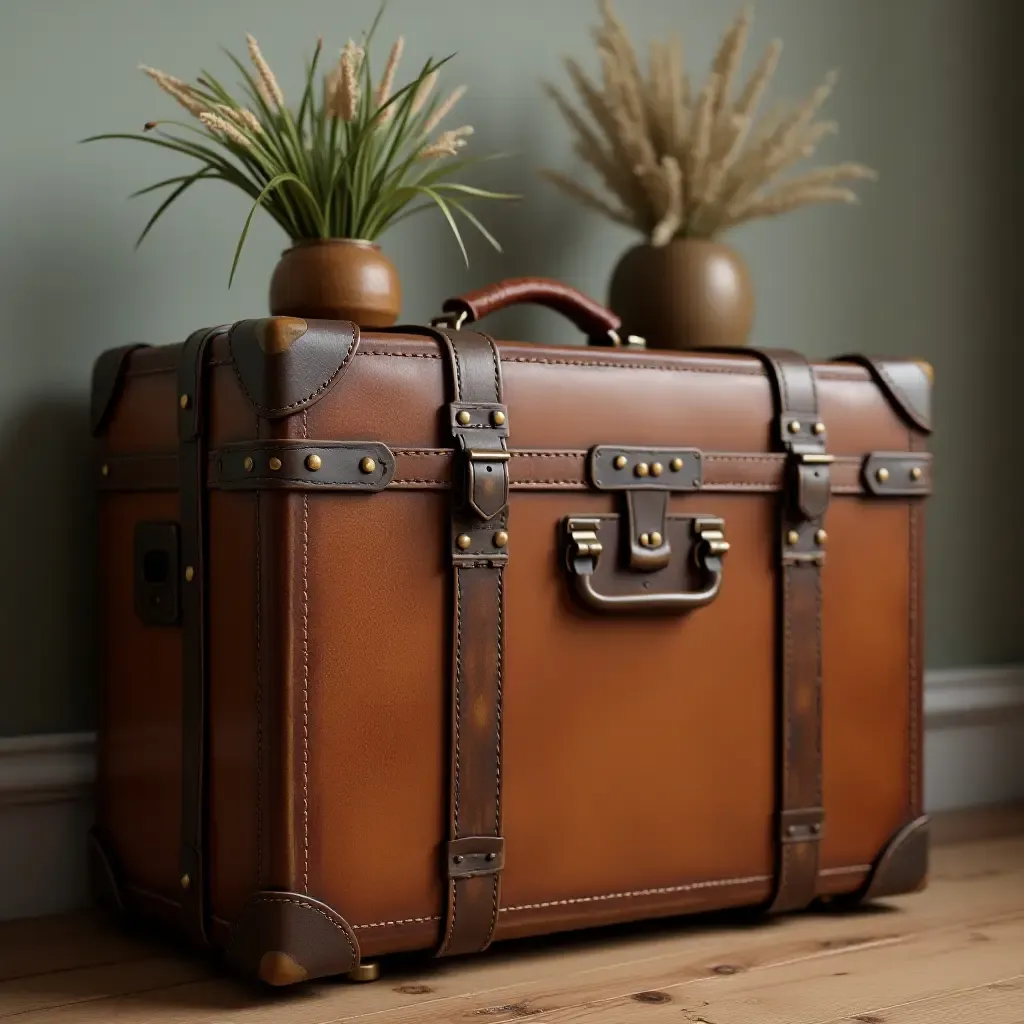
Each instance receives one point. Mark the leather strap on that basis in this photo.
(799, 433)
(192, 489)
(479, 551)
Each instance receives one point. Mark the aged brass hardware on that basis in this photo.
(675, 465)
(498, 418)
(583, 552)
(500, 539)
(248, 463)
(452, 320)
(820, 537)
(105, 469)
(274, 463)
(819, 429)
(464, 541)
(458, 858)
(190, 574)
(645, 540)
(183, 401)
(794, 426)
(620, 462)
(656, 468)
(464, 418)
(185, 881)
(486, 455)
(656, 539)
(792, 537)
(367, 465)
(816, 459)
(313, 463)
(882, 474)
(641, 469)
(915, 473)
(364, 973)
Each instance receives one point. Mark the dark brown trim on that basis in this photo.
(285, 365)
(529, 470)
(902, 867)
(107, 377)
(906, 383)
(282, 938)
(298, 465)
(192, 463)
(479, 541)
(897, 474)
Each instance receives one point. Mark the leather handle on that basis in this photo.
(599, 324)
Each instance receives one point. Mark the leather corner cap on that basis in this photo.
(907, 383)
(107, 376)
(283, 938)
(903, 864)
(285, 364)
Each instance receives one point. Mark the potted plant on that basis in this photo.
(352, 158)
(684, 168)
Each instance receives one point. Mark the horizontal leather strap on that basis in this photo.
(430, 469)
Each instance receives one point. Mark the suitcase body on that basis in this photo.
(417, 642)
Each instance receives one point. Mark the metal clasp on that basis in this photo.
(711, 545)
(453, 321)
(583, 549)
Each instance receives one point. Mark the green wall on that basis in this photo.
(924, 267)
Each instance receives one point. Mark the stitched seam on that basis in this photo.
(818, 794)
(854, 869)
(689, 887)
(780, 376)
(784, 858)
(497, 745)
(316, 910)
(336, 484)
(266, 410)
(453, 887)
(305, 680)
(259, 700)
(395, 924)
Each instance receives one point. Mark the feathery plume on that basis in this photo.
(383, 93)
(346, 96)
(243, 117)
(447, 143)
(175, 87)
(271, 91)
(423, 91)
(223, 126)
(444, 110)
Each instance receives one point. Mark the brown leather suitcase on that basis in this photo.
(415, 642)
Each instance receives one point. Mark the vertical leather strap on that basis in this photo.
(799, 432)
(479, 550)
(192, 456)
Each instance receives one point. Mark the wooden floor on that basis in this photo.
(954, 953)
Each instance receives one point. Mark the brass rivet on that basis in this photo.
(656, 539)
(620, 462)
(313, 463)
(498, 418)
(656, 468)
(492, 856)
(500, 539)
(791, 830)
(915, 473)
(248, 463)
(458, 858)
(464, 418)
(794, 426)
(183, 401)
(642, 469)
(675, 465)
(367, 465)
(190, 574)
(816, 828)
(820, 537)
(275, 463)
(792, 537)
(645, 540)
(364, 972)
(819, 429)
(185, 881)
(882, 475)
(105, 469)
(464, 540)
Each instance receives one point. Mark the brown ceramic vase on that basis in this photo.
(336, 279)
(688, 294)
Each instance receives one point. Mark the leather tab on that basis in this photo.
(479, 544)
(906, 383)
(306, 465)
(621, 468)
(898, 474)
(192, 494)
(649, 548)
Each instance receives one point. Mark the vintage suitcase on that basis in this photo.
(414, 642)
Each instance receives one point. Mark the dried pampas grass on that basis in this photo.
(681, 162)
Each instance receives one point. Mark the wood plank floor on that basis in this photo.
(954, 953)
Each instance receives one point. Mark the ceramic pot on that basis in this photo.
(688, 294)
(336, 279)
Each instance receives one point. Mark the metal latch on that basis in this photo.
(711, 545)
(583, 549)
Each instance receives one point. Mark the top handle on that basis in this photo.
(600, 325)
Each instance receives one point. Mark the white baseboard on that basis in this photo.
(974, 755)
